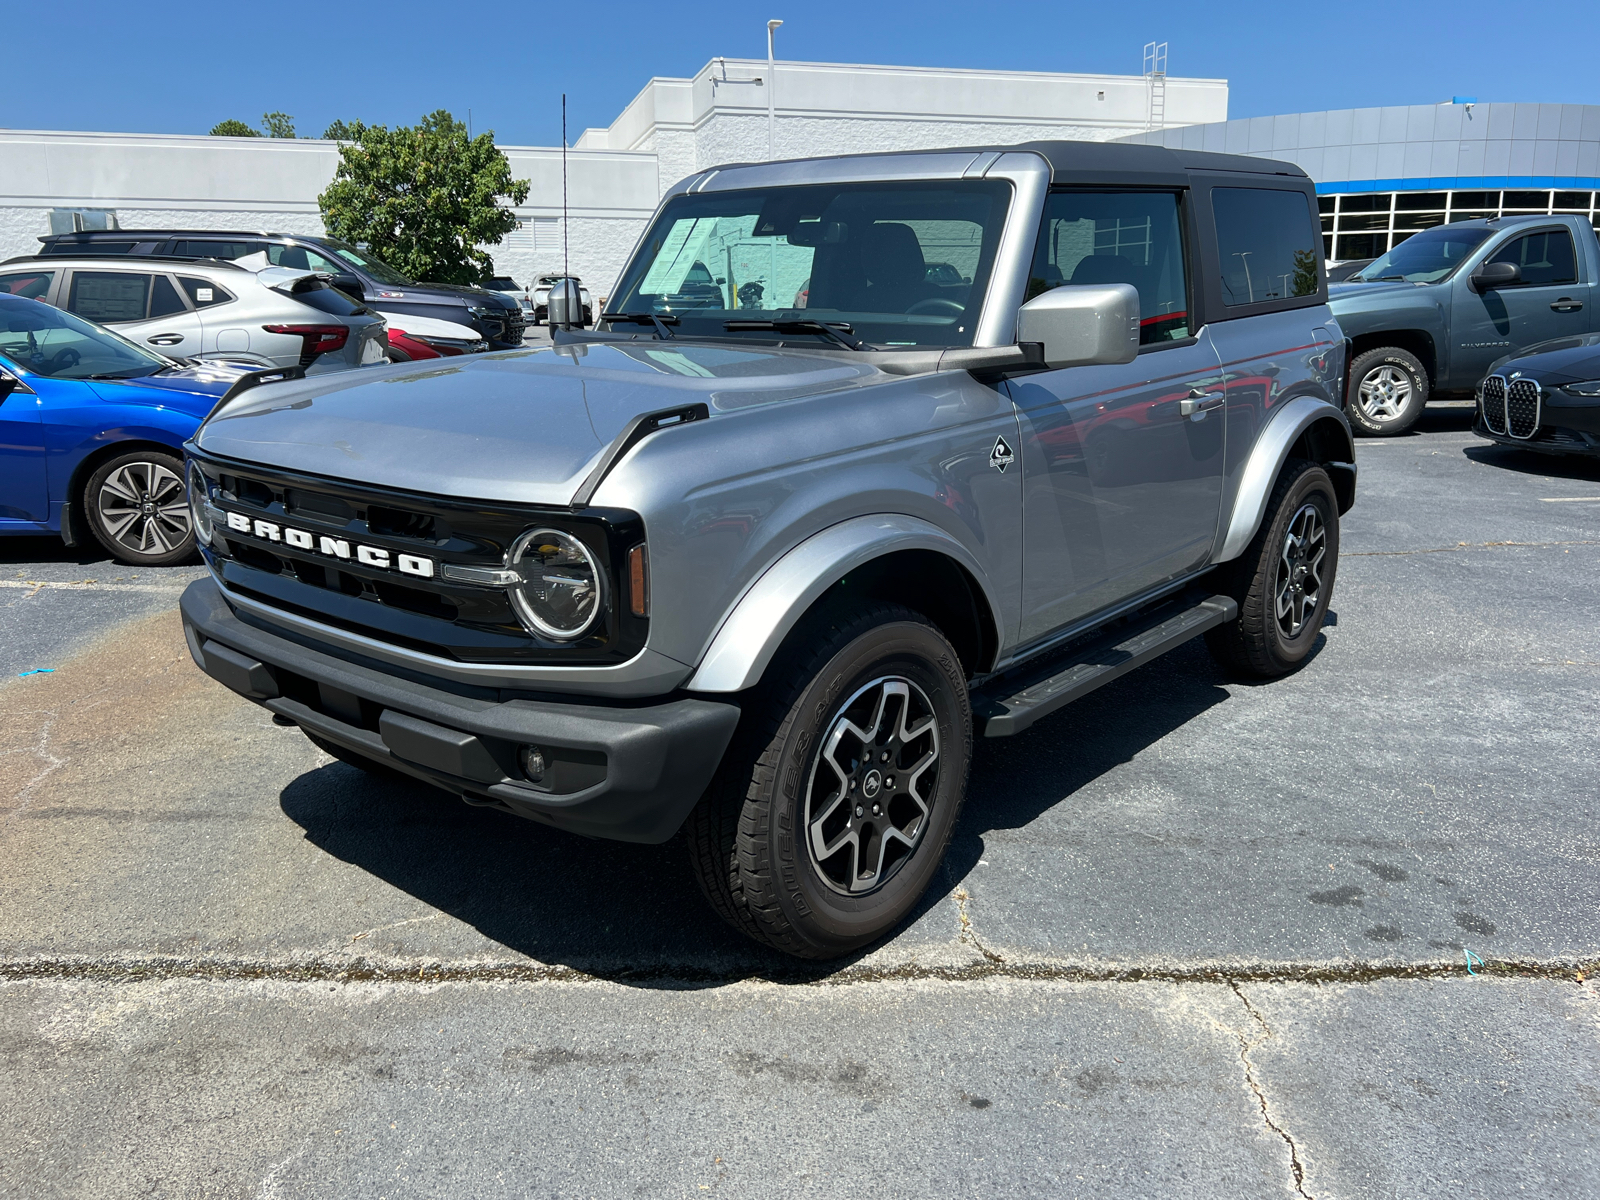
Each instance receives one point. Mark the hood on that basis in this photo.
(1556, 362)
(192, 389)
(521, 426)
(418, 326)
(1350, 291)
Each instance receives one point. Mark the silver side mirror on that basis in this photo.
(1083, 324)
(565, 304)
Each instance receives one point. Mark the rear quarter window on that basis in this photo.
(203, 292)
(1269, 242)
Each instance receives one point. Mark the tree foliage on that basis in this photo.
(422, 197)
(232, 128)
(1305, 272)
(339, 132)
(278, 124)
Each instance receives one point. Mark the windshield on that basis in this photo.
(48, 341)
(1425, 257)
(857, 254)
(376, 267)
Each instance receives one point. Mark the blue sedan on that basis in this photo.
(91, 434)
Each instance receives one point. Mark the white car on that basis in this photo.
(245, 311)
(538, 305)
(413, 337)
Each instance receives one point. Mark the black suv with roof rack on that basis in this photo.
(495, 317)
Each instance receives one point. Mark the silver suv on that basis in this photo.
(247, 311)
(759, 557)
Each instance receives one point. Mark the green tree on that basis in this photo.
(423, 197)
(278, 124)
(232, 128)
(1305, 272)
(341, 132)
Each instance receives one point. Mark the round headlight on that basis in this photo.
(560, 593)
(199, 504)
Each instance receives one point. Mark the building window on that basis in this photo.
(1365, 225)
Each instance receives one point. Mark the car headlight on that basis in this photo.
(1590, 388)
(200, 504)
(562, 588)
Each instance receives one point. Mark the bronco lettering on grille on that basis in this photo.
(328, 547)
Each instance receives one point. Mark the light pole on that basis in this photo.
(1244, 257)
(771, 83)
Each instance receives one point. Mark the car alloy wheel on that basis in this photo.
(871, 788)
(140, 506)
(1384, 394)
(1298, 585)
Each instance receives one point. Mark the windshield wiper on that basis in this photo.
(836, 331)
(660, 323)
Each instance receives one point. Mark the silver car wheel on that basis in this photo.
(1384, 393)
(871, 787)
(141, 506)
(1298, 586)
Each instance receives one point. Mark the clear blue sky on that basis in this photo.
(181, 67)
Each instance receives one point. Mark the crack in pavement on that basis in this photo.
(1458, 547)
(1245, 1046)
(109, 969)
(969, 935)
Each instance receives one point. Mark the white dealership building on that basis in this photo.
(674, 127)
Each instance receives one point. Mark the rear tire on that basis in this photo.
(1284, 579)
(136, 506)
(1387, 392)
(831, 812)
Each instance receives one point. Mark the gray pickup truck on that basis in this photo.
(1428, 318)
(760, 574)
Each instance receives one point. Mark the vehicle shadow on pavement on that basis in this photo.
(27, 548)
(633, 914)
(1531, 462)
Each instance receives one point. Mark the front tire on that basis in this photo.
(832, 810)
(136, 507)
(1284, 579)
(1387, 393)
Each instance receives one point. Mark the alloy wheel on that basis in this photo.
(1298, 586)
(1384, 394)
(871, 788)
(141, 506)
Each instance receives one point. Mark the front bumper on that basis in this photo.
(630, 774)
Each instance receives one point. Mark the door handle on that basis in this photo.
(1566, 304)
(165, 339)
(1198, 403)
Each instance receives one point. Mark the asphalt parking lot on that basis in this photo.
(1324, 937)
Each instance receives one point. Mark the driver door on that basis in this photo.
(1550, 300)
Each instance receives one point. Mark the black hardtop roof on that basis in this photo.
(1089, 163)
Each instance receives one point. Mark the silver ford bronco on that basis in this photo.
(873, 454)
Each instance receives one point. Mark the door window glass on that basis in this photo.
(1542, 257)
(302, 258)
(1269, 244)
(164, 298)
(195, 248)
(203, 292)
(1118, 237)
(109, 296)
(31, 285)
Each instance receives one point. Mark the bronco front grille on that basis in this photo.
(398, 594)
(1494, 404)
(1523, 397)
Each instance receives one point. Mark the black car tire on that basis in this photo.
(769, 881)
(1262, 641)
(136, 506)
(1396, 383)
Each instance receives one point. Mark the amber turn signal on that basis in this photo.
(639, 581)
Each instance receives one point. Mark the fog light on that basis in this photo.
(533, 763)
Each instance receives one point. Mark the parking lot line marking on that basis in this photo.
(1459, 548)
(1569, 499)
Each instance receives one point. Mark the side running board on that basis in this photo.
(1015, 701)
